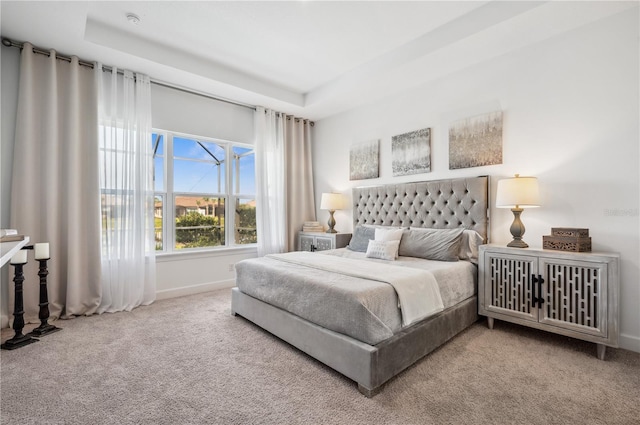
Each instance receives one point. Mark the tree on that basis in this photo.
(246, 224)
(195, 230)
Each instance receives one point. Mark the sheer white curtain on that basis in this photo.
(284, 177)
(126, 184)
(55, 191)
(270, 188)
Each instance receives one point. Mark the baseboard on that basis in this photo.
(194, 289)
(4, 320)
(628, 342)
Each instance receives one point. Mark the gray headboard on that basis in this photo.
(439, 204)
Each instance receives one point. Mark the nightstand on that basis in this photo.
(569, 293)
(320, 241)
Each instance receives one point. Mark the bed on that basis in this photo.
(373, 340)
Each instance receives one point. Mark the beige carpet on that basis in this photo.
(187, 361)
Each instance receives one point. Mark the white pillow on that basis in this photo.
(384, 250)
(469, 246)
(386, 235)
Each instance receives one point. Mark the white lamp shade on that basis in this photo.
(332, 201)
(518, 192)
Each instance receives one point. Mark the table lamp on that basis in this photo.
(518, 193)
(332, 202)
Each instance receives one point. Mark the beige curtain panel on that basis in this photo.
(83, 171)
(55, 192)
(300, 199)
(284, 180)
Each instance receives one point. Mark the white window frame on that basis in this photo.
(169, 195)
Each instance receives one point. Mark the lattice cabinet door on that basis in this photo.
(306, 243)
(508, 287)
(575, 295)
(324, 243)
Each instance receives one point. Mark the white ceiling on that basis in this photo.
(310, 58)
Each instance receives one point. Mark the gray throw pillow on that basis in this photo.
(431, 244)
(361, 237)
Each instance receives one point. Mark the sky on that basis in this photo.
(199, 171)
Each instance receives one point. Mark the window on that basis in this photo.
(204, 192)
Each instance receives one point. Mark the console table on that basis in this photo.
(570, 293)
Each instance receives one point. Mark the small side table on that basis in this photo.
(569, 293)
(320, 241)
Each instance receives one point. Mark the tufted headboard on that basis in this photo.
(439, 204)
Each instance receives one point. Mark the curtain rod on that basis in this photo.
(10, 43)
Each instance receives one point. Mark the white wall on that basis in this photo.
(571, 118)
(186, 273)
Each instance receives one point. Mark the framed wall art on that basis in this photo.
(364, 160)
(476, 141)
(411, 152)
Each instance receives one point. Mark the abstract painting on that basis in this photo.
(411, 152)
(476, 141)
(364, 160)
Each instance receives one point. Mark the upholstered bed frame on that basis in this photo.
(434, 204)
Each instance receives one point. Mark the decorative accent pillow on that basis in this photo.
(384, 250)
(385, 235)
(431, 244)
(469, 245)
(360, 238)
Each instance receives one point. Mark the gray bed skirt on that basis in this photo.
(370, 366)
